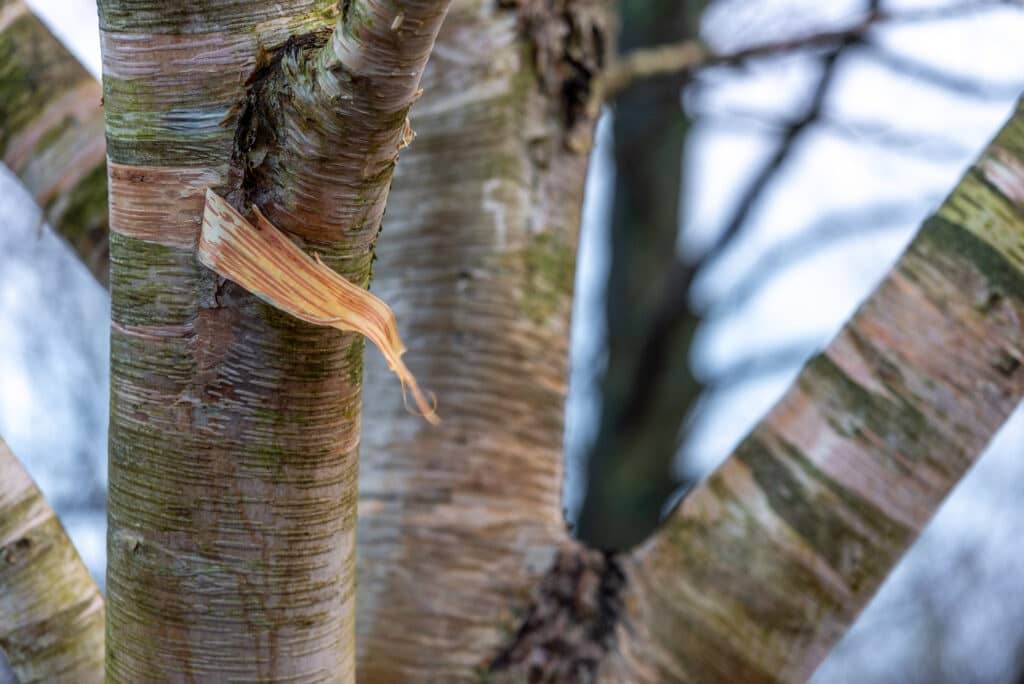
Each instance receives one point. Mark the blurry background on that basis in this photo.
(734, 220)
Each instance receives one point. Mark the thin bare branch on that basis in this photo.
(763, 362)
(860, 131)
(962, 86)
(689, 55)
(787, 145)
(822, 234)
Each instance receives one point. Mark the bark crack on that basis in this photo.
(259, 119)
(570, 625)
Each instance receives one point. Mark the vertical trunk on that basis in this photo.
(458, 524)
(51, 612)
(763, 567)
(234, 427)
(51, 132)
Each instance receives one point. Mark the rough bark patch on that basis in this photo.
(570, 625)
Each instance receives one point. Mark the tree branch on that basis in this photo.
(690, 55)
(920, 145)
(961, 86)
(822, 234)
(784, 150)
(759, 364)
(767, 563)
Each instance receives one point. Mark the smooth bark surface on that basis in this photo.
(51, 132)
(51, 611)
(764, 566)
(234, 427)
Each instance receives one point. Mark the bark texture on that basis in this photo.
(459, 524)
(51, 132)
(234, 427)
(766, 564)
(51, 612)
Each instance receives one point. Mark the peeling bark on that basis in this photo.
(51, 612)
(51, 133)
(234, 427)
(765, 565)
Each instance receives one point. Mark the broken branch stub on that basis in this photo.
(265, 262)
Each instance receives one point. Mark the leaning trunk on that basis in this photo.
(765, 565)
(51, 611)
(51, 132)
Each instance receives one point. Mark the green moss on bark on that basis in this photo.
(34, 70)
(548, 266)
(83, 218)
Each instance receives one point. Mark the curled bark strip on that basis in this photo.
(266, 263)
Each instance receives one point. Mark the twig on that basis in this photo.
(686, 56)
(962, 86)
(785, 150)
(825, 232)
(762, 363)
(858, 130)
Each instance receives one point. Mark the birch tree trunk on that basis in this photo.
(51, 612)
(458, 525)
(51, 132)
(234, 427)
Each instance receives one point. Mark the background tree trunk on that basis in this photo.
(51, 132)
(51, 612)
(629, 463)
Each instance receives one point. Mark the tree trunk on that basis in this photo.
(51, 133)
(458, 525)
(51, 612)
(642, 408)
(234, 427)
